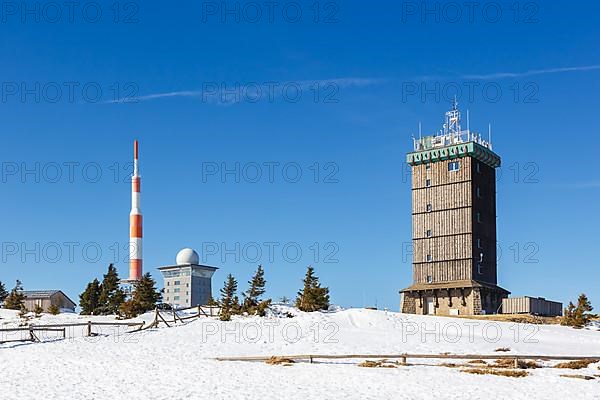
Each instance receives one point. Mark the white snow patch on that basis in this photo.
(178, 362)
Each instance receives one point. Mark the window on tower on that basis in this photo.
(478, 192)
(429, 258)
(427, 166)
(454, 166)
(429, 207)
(429, 233)
(429, 279)
(428, 182)
(479, 217)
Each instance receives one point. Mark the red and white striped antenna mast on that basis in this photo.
(135, 221)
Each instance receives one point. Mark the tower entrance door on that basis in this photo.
(429, 306)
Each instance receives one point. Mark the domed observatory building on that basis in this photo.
(188, 283)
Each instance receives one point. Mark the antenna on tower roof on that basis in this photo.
(490, 134)
(468, 123)
(419, 129)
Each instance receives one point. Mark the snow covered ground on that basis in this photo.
(178, 362)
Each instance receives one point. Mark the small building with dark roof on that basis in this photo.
(47, 298)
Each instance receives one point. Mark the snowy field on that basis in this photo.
(178, 362)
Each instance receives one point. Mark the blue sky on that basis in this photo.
(75, 93)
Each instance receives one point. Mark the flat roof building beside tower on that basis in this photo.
(188, 283)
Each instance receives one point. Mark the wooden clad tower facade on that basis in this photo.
(453, 224)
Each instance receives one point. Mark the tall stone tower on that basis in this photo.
(453, 224)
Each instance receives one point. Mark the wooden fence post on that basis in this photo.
(89, 328)
(516, 362)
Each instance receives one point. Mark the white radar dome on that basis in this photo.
(187, 256)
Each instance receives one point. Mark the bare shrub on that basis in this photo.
(499, 372)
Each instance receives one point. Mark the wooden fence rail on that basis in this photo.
(140, 326)
(62, 328)
(403, 357)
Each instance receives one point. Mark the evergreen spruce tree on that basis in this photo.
(38, 310)
(16, 299)
(212, 301)
(111, 295)
(89, 300)
(227, 298)
(3, 292)
(236, 306)
(255, 290)
(582, 311)
(146, 295)
(568, 314)
(53, 309)
(312, 297)
(578, 316)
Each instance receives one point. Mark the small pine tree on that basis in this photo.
(227, 298)
(578, 316)
(111, 295)
(212, 301)
(23, 311)
(312, 297)
(38, 310)
(53, 309)
(16, 299)
(236, 306)
(129, 309)
(284, 300)
(255, 290)
(567, 318)
(3, 292)
(89, 300)
(146, 295)
(582, 311)
(262, 307)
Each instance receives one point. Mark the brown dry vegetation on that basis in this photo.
(586, 377)
(449, 365)
(502, 349)
(577, 364)
(377, 364)
(279, 361)
(510, 363)
(477, 362)
(499, 372)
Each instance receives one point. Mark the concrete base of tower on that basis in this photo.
(453, 298)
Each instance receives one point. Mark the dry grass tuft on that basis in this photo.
(376, 364)
(502, 349)
(577, 364)
(586, 377)
(510, 363)
(279, 361)
(449, 365)
(499, 372)
(477, 362)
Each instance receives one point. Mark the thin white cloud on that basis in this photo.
(500, 75)
(225, 94)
